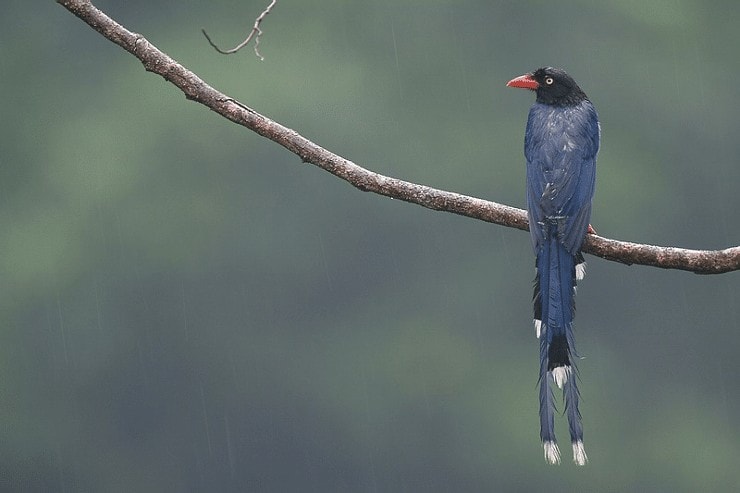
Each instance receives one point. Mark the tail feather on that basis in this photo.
(547, 410)
(554, 309)
(574, 421)
(537, 302)
(580, 267)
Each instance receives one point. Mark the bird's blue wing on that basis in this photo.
(560, 145)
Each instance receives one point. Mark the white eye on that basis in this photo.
(549, 81)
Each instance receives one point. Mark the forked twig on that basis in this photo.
(255, 33)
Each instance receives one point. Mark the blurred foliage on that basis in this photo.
(187, 307)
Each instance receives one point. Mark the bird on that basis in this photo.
(561, 141)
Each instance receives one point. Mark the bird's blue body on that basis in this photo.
(560, 145)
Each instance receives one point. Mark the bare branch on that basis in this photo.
(255, 33)
(194, 88)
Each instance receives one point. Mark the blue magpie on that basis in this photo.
(560, 145)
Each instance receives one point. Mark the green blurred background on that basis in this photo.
(187, 307)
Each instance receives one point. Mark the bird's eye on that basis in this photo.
(549, 81)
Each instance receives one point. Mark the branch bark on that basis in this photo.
(195, 89)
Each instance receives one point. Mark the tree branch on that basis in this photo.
(195, 89)
(255, 33)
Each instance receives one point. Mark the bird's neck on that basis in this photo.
(573, 98)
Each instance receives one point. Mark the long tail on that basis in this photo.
(554, 309)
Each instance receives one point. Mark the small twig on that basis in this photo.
(255, 33)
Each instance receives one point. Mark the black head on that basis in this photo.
(553, 86)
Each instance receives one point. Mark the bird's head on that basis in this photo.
(553, 86)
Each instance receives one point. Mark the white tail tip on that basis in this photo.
(538, 328)
(579, 453)
(552, 452)
(580, 271)
(561, 375)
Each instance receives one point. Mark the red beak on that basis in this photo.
(524, 81)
